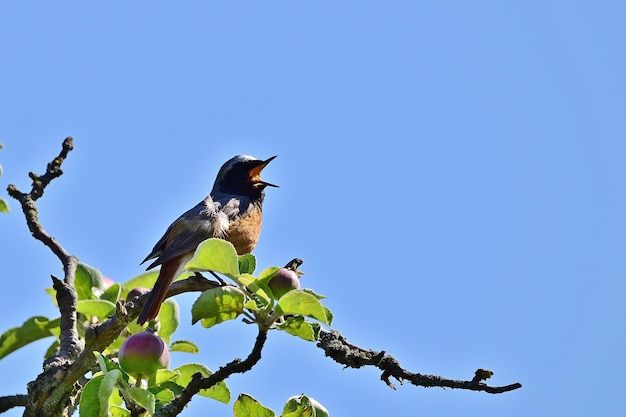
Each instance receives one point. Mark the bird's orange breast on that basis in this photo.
(244, 231)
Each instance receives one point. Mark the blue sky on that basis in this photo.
(452, 174)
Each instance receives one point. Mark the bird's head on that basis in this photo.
(241, 175)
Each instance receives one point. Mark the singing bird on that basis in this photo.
(232, 211)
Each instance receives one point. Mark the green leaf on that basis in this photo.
(246, 406)
(162, 375)
(98, 308)
(303, 303)
(115, 399)
(143, 398)
(217, 305)
(215, 255)
(33, 329)
(219, 391)
(313, 293)
(117, 411)
(107, 365)
(133, 328)
(303, 406)
(251, 305)
(254, 285)
(106, 389)
(112, 293)
(170, 385)
(145, 280)
(329, 315)
(89, 405)
(298, 326)
(102, 363)
(184, 346)
(89, 283)
(267, 274)
(4, 206)
(169, 317)
(247, 263)
(164, 396)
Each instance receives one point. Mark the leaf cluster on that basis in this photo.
(97, 298)
(112, 391)
(251, 296)
(112, 388)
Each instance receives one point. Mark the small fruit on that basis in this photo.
(283, 281)
(143, 353)
(136, 292)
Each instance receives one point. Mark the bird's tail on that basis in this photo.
(169, 270)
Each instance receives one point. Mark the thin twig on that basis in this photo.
(341, 351)
(27, 200)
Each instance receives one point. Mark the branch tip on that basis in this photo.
(345, 353)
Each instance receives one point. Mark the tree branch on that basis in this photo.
(10, 401)
(66, 293)
(27, 200)
(70, 342)
(341, 351)
(199, 382)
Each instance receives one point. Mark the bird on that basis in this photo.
(232, 211)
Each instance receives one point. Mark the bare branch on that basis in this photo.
(27, 200)
(339, 349)
(8, 402)
(70, 341)
(67, 299)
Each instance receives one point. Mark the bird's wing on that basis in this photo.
(203, 221)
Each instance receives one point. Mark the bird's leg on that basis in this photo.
(198, 276)
(217, 277)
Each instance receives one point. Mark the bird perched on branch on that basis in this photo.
(232, 211)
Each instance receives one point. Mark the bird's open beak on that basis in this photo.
(255, 173)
